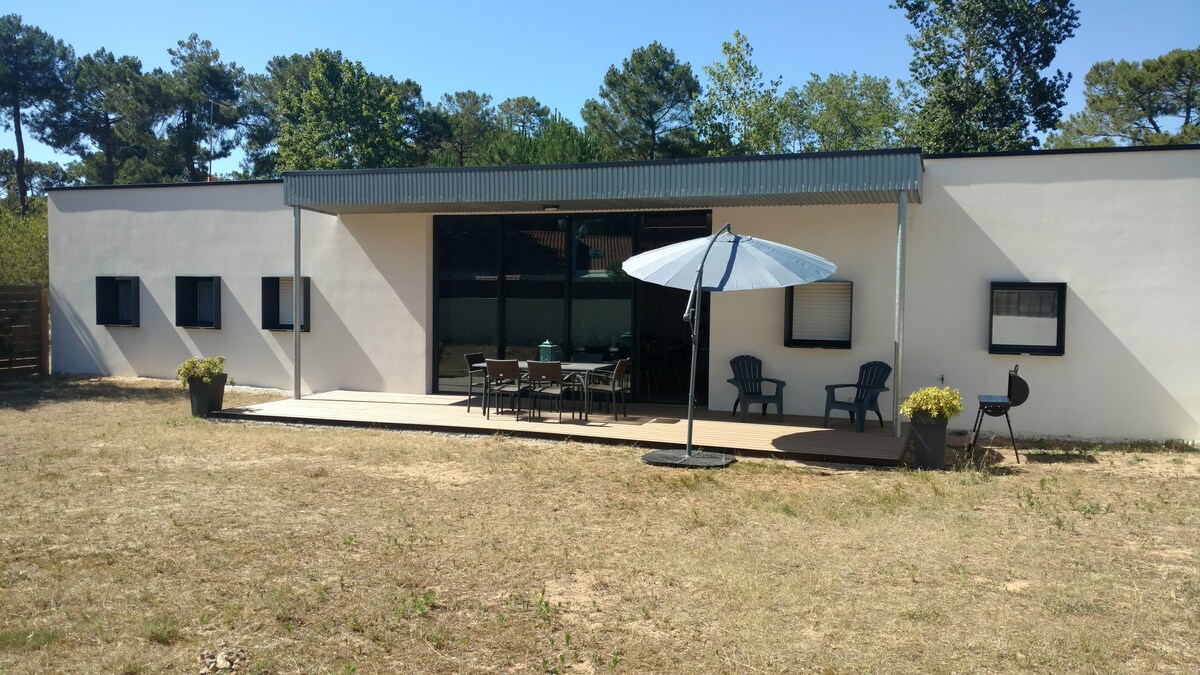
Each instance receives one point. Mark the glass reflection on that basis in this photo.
(601, 292)
(534, 284)
(467, 268)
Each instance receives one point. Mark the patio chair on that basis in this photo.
(995, 406)
(503, 377)
(546, 381)
(612, 383)
(475, 366)
(748, 378)
(871, 377)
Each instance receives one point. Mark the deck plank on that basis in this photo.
(651, 426)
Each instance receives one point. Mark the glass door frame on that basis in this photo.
(502, 271)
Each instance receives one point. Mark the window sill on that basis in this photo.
(816, 344)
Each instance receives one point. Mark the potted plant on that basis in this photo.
(205, 379)
(931, 409)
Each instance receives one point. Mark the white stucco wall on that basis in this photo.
(370, 281)
(1121, 229)
(860, 240)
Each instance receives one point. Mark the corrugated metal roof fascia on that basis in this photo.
(766, 177)
(837, 198)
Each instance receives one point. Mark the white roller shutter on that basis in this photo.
(821, 312)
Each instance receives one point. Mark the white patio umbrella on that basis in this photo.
(723, 262)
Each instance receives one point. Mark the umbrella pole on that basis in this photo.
(693, 313)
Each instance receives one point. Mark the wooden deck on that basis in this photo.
(648, 426)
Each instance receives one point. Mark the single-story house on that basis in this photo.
(1080, 266)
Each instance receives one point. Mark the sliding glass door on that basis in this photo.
(506, 284)
(601, 292)
(467, 264)
(534, 286)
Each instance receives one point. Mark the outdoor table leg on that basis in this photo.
(585, 379)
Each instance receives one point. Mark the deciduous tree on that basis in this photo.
(347, 118)
(741, 114)
(24, 249)
(850, 112)
(978, 71)
(262, 97)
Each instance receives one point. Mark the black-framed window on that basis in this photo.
(198, 302)
(1027, 318)
(819, 315)
(277, 307)
(117, 301)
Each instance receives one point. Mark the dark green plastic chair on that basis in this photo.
(871, 377)
(748, 378)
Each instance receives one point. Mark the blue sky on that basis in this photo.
(559, 51)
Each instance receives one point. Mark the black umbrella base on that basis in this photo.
(699, 459)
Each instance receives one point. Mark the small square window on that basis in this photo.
(819, 315)
(277, 309)
(117, 301)
(1028, 318)
(198, 302)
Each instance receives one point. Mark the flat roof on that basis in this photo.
(196, 184)
(852, 177)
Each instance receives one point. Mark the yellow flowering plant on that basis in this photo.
(943, 402)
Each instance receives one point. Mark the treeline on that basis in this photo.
(977, 84)
(322, 110)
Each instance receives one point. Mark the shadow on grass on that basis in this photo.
(30, 393)
(1082, 447)
(1060, 457)
(986, 460)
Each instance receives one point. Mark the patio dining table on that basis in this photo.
(581, 372)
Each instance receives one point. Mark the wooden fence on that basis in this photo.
(24, 331)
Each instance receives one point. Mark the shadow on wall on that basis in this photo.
(1123, 388)
(1099, 389)
(251, 360)
(393, 256)
(72, 334)
(154, 349)
(340, 362)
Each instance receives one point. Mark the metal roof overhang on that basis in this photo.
(869, 177)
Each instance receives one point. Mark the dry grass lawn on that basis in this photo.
(133, 538)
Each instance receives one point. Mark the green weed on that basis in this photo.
(163, 630)
(415, 605)
(31, 639)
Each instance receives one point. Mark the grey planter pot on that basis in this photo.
(929, 441)
(207, 397)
